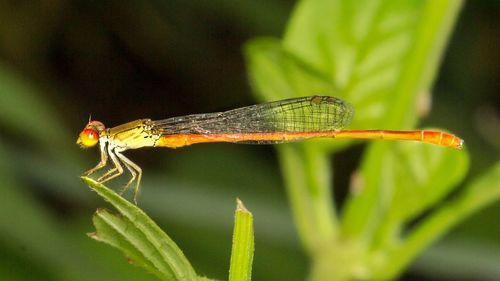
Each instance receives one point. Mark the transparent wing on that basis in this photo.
(306, 114)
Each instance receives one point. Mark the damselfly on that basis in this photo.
(267, 123)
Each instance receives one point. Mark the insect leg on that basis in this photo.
(126, 162)
(114, 172)
(131, 165)
(102, 163)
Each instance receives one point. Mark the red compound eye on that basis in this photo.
(88, 137)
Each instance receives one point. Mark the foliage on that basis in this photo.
(381, 56)
(141, 240)
(147, 246)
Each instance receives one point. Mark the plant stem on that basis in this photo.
(307, 175)
(362, 214)
(243, 245)
(432, 33)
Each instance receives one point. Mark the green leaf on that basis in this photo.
(429, 31)
(243, 245)
(421, 175)
(413, 177)
(277, 74)
(361, 46)
(138, 237)
(479, 194)
(380, 54)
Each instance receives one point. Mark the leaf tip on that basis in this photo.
(89, 181)
(240, 207)
(93, 235)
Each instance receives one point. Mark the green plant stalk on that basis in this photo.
(441, 16)
(139, 237)
(419, 74)
(307, 178)
(362, 212)
(477, 195)
(243, 245)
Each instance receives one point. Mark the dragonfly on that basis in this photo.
(275, 122)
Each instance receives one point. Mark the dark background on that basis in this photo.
(124, 60)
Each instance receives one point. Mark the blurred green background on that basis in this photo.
(63, 60)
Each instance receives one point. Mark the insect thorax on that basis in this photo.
(132, 135)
